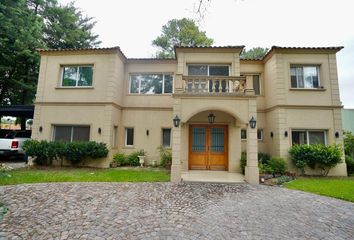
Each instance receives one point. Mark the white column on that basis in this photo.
(252, 170)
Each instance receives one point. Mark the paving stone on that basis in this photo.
(170, 211)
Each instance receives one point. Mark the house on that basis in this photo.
(348, 120)
(207, 104)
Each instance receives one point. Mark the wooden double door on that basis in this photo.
(208, 147)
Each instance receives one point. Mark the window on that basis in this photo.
(151, 83)
(71, 133)
(259, 134)
(77, 76)
(308, 137)
(166, 137)
(256, 84)
(115, 137)
(129, 137)
(208, 70)
(243, 134)
(305, 76)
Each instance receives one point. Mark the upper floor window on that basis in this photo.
(77, 76)
(256, 84)
(305, 76)
(151, 83)
(208, 70)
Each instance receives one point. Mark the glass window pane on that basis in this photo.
(317, 137)
(219, 70)
(151, 84)
(69, 76)
(256, 84)
(85, 76)
(168, 84)
(62, 133)
(243, 134)
(198, 139)
(300, 78)
(260, 134)
(134, 84)
(166, 137)
(129, 141)
(217, 139)
(309, 74)
(81, 133)
(299, 137)
(293, 77)
(198, 70)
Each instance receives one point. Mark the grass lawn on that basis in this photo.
(84, 175)
(342, 188)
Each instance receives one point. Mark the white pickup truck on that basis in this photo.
(11, 142)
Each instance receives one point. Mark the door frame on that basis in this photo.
(226, 142)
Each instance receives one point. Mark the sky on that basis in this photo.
(133, 24)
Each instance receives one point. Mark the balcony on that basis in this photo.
(214, 85)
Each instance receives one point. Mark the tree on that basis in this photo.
(27, 25)
(179, 32)
(254, 53)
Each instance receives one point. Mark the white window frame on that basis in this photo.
(54, 126)
(77, 75)
(308, 134)
(126, 136)
(208, 65)
(163, 83)
(303, 66)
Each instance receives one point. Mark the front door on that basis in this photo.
(208, 147)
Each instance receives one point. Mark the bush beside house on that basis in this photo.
(121, 159)
(317, 156)
(349, 151)
(44, 152)
(266, 164)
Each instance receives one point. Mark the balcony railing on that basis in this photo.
(214, 85)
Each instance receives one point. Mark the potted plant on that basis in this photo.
(141, 157)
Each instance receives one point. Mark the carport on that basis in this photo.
(21, 111)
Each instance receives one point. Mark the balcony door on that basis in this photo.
(208, 147)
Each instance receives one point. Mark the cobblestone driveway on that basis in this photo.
(171, 211)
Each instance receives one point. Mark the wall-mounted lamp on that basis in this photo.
(99, 130)
(253, 122)
(271, 134)
(286, 134)
(147, 132)
(40, 129)
(336, 134)
(211, 118)
(176, 121)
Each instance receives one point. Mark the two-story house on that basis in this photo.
(207, 104)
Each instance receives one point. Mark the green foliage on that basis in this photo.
(120, 159)
(254, 53)
(277, 166)
(349, 151)
(315, 156)
(179, 32)
(30, 25)
(133, 159)
(165, 156)
(283, 179)
(243, 161)
(45, 152)
(4, 170)
(263, 157)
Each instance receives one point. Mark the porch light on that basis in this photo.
(211, 118)
(176, 121)
(99, 130)
(40, 129)
(286, 134)
(253, 122)
(336, 134)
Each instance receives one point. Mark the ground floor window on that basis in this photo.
(259, 134)
(129, 136)
(308, 137)
(71, 133)
(166, 137)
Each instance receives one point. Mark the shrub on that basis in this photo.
(349, 151)
(243, 161)
(4, 170)
(132, 159)
(120, 159)
(265, 168)
(316, 156)
(45, 152)
(263, 157)
(283, 179)
(277, 165)
(165, 156)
